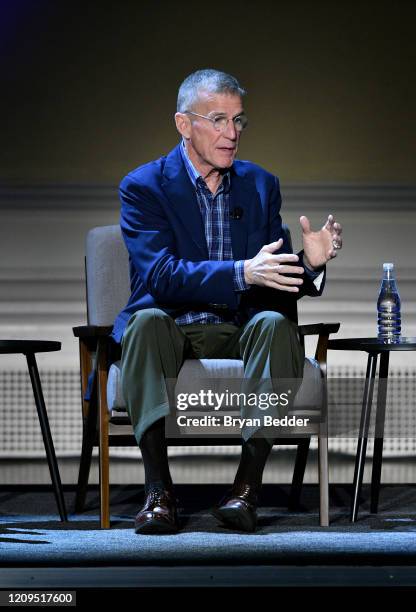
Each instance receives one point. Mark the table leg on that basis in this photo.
(379, 434)
(46, 434)
(363, 434)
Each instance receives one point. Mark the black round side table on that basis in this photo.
(374, 347)
(29, 348)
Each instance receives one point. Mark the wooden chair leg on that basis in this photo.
(103, 436)
(89, 433)
(88, 439)
(323, 479)
(323, 467)
(298, 474)
(104, 482)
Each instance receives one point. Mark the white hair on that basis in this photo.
(213, 81)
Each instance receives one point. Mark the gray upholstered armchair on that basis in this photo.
(105, 420)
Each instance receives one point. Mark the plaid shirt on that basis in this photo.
(215, 209)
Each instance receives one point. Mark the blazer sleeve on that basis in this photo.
(151, 243)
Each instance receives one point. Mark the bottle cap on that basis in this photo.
(388, 266)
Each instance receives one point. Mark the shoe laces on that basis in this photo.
(245, 491)
(156, 496)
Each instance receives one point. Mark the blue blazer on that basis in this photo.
(164, 234)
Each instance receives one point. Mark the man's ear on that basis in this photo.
(183, 124)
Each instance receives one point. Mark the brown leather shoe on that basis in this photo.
(159, 514)
(238, 508)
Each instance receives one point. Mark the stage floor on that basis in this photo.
(34, 541)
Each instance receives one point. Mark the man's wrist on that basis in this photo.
(309, 269)
(307, 264)
(239, 278)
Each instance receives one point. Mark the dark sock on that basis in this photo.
(254, 455)
(155, 457)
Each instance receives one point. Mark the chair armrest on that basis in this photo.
(319, 329)
(92, 331)
(95, 348)
(323, 330)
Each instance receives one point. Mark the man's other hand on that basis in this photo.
(268, 270)
(319, 247)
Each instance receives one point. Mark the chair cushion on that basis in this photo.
(308, 399)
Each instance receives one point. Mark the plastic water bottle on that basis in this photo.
(388, 307)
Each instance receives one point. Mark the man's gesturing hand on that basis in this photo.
(319, 247)
(268, 270)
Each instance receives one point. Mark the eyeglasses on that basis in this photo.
(220, 122)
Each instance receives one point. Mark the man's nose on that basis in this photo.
(230, 130)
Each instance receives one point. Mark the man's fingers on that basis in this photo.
(287, 280)
(329, 222)
(276, 285)
(283, 258)
(282, 269)
(336, 242)
(276, 274)
(273, 246)
(305, 224)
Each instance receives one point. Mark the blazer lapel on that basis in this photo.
(243, 197)
(181, 193)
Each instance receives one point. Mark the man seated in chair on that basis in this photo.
(212, 276)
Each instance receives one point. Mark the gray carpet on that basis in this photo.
(31, 533)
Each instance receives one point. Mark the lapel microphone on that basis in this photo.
(236, 213)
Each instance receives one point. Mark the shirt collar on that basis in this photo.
(190, 168)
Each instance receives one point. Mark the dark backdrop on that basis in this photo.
(89, 90)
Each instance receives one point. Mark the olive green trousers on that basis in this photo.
(154, 348)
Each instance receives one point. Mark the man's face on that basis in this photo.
(208, 147)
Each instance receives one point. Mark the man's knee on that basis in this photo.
(270, 319)
(144, 321)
